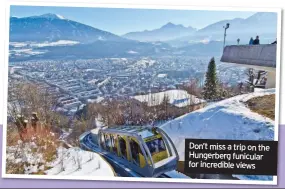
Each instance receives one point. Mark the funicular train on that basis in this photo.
(146, 150)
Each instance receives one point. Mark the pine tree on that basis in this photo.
(210, 90)
(165, 104)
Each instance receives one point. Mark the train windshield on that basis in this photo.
(156, 146)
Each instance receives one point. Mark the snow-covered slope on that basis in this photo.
(77, 162)
(227, 119)
(179, 98)
(26, 153)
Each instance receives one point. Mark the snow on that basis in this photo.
(57, 43)
(25, 153)
(179, 98)
(26, 51)
(29, 48)
(18, 44)
(43, 44)
(144, 63)
(228, 119)
(60, 17)
(99, 122)
(259, 90)
(95, 131)
(65, 134)
(50, 16)
(77, 162)
(93, 81)
(161, 75)
(132, 52)
(97, 100)
(106, 81)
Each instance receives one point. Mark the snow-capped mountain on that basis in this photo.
(260, 22)
(166, 32)
(54, 27)
(263, 24)
(49, 16)
(53, 36)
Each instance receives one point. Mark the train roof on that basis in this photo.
(143, 131)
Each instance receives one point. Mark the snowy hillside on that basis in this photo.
(30, 158)
(227, 119)
(179, 98)
(77, 162)
(27, 154)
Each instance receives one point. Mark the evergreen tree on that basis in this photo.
(165, 103)
(210, 90)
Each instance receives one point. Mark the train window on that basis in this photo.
(123, 147)
(108, 142)
(113, 143)
(156, 145)
(102, 141)
(147, 156)
(135, 151)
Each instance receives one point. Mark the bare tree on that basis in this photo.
(78, 159)
(251, 75)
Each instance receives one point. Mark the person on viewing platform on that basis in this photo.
(251, 41)
(256, 41)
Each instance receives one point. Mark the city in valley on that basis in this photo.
(77, 82)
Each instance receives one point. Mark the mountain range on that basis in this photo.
(263, 24)
(166, 32)
(170, 39)
(52, 27)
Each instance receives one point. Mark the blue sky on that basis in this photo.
(121, 21)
